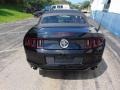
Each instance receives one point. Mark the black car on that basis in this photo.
(62, 40)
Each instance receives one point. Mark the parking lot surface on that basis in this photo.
(16, 74)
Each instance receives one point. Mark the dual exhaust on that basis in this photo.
(35, 67)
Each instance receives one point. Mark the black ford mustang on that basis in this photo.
(62, 39)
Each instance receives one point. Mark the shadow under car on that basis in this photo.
(75, 74)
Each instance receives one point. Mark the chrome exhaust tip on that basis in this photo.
(34, 67)
(93, 68)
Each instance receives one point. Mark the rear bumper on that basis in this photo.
(64, 67)
(38, 58)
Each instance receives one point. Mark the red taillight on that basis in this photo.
(33, 42)
(94, 42)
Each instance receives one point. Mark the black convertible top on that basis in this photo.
(63, 11)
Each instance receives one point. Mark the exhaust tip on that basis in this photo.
(34, 67)
(93, 68)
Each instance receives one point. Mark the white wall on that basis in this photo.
(115, 6)
(99, 5)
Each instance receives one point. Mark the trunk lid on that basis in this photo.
(60, 32)
(73, 37)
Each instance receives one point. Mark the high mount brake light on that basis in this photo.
(33, 42)
(94, 42)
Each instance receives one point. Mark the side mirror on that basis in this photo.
(91, 27)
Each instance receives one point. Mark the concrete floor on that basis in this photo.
(16, 74)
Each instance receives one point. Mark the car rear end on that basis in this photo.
(62, 40)
(47, 51)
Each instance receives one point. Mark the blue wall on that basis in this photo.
(110, 21)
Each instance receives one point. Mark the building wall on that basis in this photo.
(115, 6)
(110, 19)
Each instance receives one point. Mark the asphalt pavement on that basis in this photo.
(16, 74)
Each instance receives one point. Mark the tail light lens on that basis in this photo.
(33, 42)
(94, 42)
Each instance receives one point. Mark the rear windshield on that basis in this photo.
(63, 19)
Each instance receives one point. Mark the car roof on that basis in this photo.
(69, 11)
(61, 12)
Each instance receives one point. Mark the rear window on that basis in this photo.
(63, 19)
